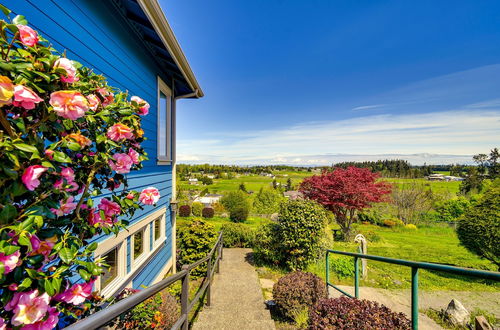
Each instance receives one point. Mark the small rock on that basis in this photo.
(456, 313)
(398, 283)
(482, 324)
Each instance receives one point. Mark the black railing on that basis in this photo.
(113, 311)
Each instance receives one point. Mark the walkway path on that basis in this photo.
(237, 301)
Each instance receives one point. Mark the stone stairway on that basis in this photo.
(237, 301)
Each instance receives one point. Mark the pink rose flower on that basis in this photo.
(49, 154)
(122, 163)
(134, 155)
(31, 175)
(110, 208)
(68, 174)
(66, 207)
(13, 287)
(42, 247)
(67, 65)
(28, 307)
(69, 104)
(93, 102)
(49, 324)
(10, 261)
(76, 294)
(25, 97)
(149, 196)
(142, 106)
(95, 220)
(118, 132)
(107, 96)
(27, 35)
(3, 325)
(130, 195)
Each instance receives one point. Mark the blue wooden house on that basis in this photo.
(131, 43)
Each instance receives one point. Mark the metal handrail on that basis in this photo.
(113, 311)
(414, 265)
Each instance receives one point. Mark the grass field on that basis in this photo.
(440, 187)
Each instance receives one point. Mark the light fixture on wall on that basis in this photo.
(173, 205)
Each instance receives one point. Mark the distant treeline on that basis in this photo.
(184, 169)
(391, 168)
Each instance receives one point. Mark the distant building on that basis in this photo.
(436, 177)
(193, 181)
(453, 178)
(293, 195)
(208, 199)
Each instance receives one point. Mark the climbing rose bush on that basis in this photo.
(66, 138)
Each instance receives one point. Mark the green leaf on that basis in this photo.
(5, 10)
(9, 249)
(23, 53)
(73, 146)
(84, 274)
(20, 19)
(31, 273)
(26, 283)
(61, 157)
(17, 189)
(23, 240)
(13, 158)
(26, 147)
(92, 246)
(66, 255)
(8, 213)
(48, 287)
(56, 284)
(47, 164)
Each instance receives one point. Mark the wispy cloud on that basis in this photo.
(458, 132)
(368, 107)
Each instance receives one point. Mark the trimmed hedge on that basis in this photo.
(237, 235)
(184, 211)
(349, 313)
(207, 212)
(297, 291)
(196, 209)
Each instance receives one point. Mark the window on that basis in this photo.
(165, 123)
(157, 227)
(138, 243)
(109, 274)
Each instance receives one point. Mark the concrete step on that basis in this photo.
(235, 325)
(250, 315)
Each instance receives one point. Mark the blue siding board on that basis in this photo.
(90, 32)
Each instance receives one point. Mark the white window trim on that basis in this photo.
(162, 160)
(120, 241)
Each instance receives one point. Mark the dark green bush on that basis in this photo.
(207, 212)
(196, 209)
(239, 214)
(268, 250)
(452, 209)
(301, 232)
(349, 313)
(296, 291)
(479, 228)
(342, 266)
(267, 201)
(184, 211)
(238, 205)
(237, 235)
(194, 240)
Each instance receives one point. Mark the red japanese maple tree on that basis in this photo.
(345, 191)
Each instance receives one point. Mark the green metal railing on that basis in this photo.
(415, 266)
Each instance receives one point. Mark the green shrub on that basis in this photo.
(239, 214)
(267, 202)
(238, 205)
(159, 312)
(342, 266)
(268, 250)
(371, 217)
(237, 235)
(207, 212)
(184, 211)
(349, 313)
(479, 228)
(194, 240)
(297, 291)
(411, 226)
(452, 209)
(301, 232)
(372, 236)
(196, 209)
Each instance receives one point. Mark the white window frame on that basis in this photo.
(120, 241)
(169, 157)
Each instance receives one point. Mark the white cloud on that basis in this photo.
(368, 107)
(460, 132)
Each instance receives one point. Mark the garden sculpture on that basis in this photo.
(362, 249)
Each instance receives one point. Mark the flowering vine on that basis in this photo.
(66, 138)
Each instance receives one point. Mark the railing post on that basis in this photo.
(414, 298)
(185, 298)
(221, 246)
(209, 279)
(356, 277)
(327, 275)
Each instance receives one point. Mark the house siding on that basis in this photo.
(89, 33)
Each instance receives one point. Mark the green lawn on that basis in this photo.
(440, 187)
(428, 244)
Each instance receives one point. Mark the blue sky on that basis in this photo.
(313, 82)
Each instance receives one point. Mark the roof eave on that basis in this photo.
(159, 22)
